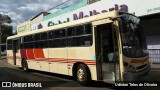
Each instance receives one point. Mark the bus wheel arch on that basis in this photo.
(24, 65)
(81, 68)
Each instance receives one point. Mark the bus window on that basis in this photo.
(71, 31)
(44, 36)
(37, 37)
(21, 46)
(60, 33)
(50, 43)
(84, 41)
(88, 29)
(30, 45)
(43, 44)
(9, 44)
(51, 34)
(71, 42)
(37, 44)
(80, 30)
(83, 29)
(30, 38)
(25, 39)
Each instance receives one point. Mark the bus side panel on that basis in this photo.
(58, 60)
(33, 64)
(10, 57)
(29, 55)
(18, 59)
(38, 59)
(93, 72)
(84, 55)
(44, 66)
(71, 56)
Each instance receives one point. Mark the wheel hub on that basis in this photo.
(80, 74)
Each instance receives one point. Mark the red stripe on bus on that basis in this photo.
(73, 60)
(30, 54)
(23, 53)
(39, 53)
(42, 59)
(63, 60)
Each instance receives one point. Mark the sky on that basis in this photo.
(22, 10)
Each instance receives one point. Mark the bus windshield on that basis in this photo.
(133, 40)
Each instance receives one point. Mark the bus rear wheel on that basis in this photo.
(24, 65)
(83, 76)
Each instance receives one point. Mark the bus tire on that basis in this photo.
(83, 74)
(25, 65)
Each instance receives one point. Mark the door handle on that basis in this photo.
(50, 63)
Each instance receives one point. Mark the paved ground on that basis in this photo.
(58, 82)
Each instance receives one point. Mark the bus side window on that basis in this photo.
(60, 33)
(37, 37)
(37, 44)
(9, 44)
(25, 39)
(71, 41)
(43, 44)
(71, 31)
(88, 29)
(83, 29)
(30, 38)
(44, 36)
(80, 30)
(51, 34)
(21, 46)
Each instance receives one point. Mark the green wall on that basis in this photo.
(66, 10)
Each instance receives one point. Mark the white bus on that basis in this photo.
(106, 47)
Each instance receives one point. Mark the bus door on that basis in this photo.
(106, 53)
(15, 50)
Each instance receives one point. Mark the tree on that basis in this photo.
(6, 31)
(5, 20)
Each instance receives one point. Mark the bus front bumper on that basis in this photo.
(138, 76)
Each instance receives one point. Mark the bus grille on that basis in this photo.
(140, 67)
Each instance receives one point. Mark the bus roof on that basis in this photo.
(69, 24)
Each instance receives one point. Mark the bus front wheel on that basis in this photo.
(83, 76)
(24, 65)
